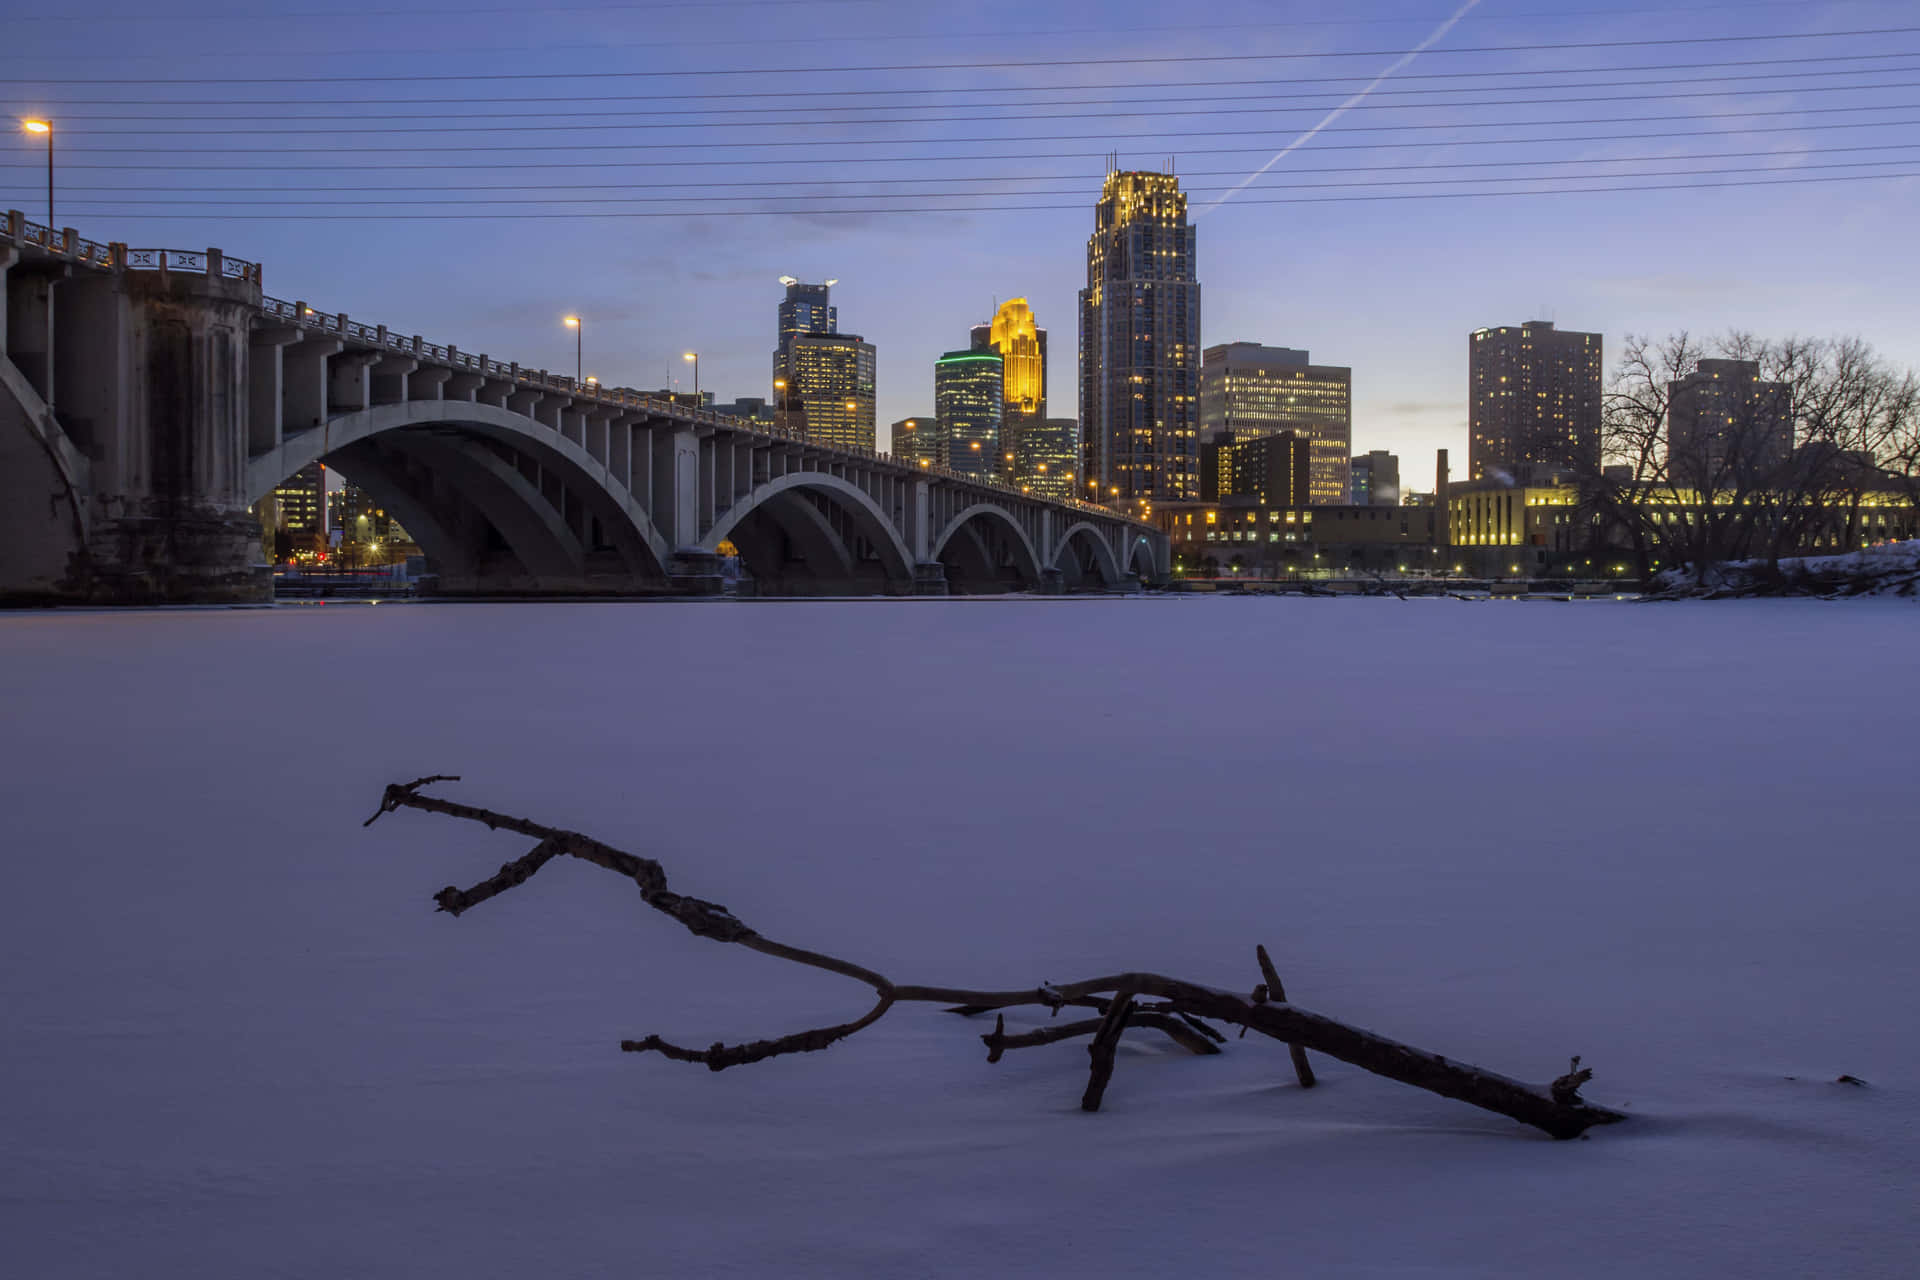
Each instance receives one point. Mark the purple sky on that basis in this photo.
(1391, 287)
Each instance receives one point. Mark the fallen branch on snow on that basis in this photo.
(1184, 1006)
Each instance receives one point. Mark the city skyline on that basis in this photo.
(1405, 277)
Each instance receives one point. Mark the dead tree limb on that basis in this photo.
(1275, 991)
(1106, 1042)
(1557, 1109)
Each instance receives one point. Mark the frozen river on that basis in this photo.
(1676, 839)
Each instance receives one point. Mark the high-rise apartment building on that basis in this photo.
(1723, 418)
(301, 501)
(1022, 348)
(1140, 344)
(1249, 390)
(916, 440)
(1047, 458)
(1375, 479)
(1533, 399)
(1272, 470)
(967, 403)
(823, 380)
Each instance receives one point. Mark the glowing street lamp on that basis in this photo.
(579, 335)
(694, 357)
(45, 127)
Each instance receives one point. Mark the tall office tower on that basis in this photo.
(1249, 390)
(916, 440)
(302, 500)
(823, 380)
(1140, 344)
(1722, 418)
(1376, 479)
(1022, 347)
(1533, 400)
(1047, 460)
(1273, 470)
(967, 403)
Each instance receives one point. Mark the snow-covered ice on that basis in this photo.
(1678, 840)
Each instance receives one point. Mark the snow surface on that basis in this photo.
(1889, 569)
(1676, 839)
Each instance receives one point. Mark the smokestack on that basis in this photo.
(1441, 532)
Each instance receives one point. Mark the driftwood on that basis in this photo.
(1181, 1013)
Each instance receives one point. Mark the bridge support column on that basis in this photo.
(930, 578)
(171, 521)
(1053, 582)
(694, 572)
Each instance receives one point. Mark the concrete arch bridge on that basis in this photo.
(149, 399)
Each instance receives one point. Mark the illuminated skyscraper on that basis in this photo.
(1140, 343)
(967, 401)
(1533, 399)
(823, 380)
(1047, 458)
(916, 440)
(1247, 390)
(1022, 348)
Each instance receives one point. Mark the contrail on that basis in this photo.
(1344, 107)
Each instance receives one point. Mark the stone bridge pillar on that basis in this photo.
(171, 520)
(128, 485)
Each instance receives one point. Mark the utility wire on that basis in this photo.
(1005, 65)
(764, 144)
(761, 183)
(1003, 90)
(997, 208)
(803, 200)
(822, 162)
(483, 120)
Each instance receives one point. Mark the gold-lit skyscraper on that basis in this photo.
(1022, 348)
(1140, 344)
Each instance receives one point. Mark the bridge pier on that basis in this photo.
(128, 484)
(930, 578)
(694, 572)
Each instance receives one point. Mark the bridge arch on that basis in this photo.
(1139, 558)
(1083, 553)
(497, 500)
(982, 545)
(814, 533)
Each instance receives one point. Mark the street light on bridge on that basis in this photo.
(44, 127)
(579, 336)
(694, 356)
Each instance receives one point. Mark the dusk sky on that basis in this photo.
(473, 173)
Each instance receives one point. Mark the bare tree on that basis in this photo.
(1701, 464)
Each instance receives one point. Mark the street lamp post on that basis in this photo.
(45, 127)
(579, 336)
(694, 356)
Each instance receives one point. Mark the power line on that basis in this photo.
(902, 142)
(1001, 208)
(334, 14)
(378, 124)
(1002, 35)
(1851, 59)
(1030, 64)
(134, 206)
(823, 161)
(759, 183)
